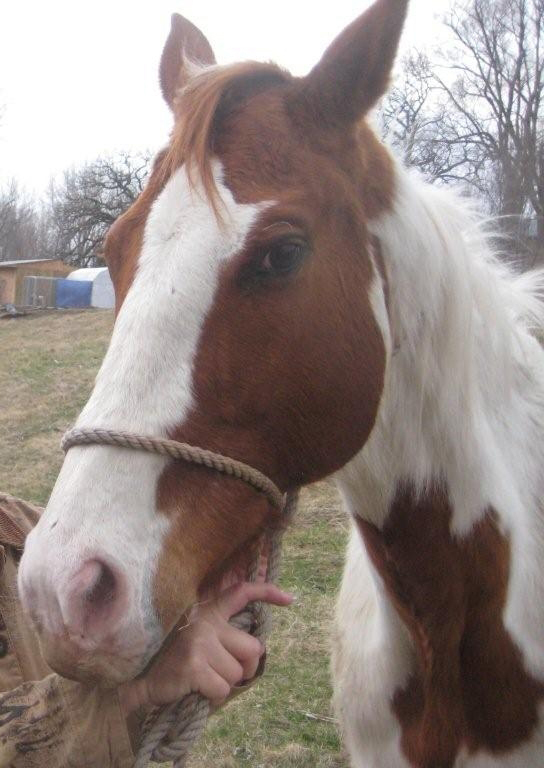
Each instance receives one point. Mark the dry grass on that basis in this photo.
(47, 366)
(48, 362)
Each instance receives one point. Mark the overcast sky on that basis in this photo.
(80, 79)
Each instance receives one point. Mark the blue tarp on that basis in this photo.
(73, 293)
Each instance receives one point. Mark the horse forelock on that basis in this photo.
(206, 101)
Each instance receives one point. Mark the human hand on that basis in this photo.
(207, 654)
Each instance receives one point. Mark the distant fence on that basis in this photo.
(39, 292)
(51, 292)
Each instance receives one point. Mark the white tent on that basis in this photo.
(102, 296)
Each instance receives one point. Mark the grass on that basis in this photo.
(47, 366)
(48, 362)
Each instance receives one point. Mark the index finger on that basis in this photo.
(235, 599)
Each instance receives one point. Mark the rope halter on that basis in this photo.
(179, 451)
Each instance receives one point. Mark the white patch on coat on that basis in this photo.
(372, 656)
(378, 305)
(463, 404)
(103, 503)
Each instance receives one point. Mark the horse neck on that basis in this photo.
(462, 400)
(462, 409)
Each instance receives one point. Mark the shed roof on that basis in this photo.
(87, 273)
(22, 262)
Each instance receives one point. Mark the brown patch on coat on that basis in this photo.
(470, 688)
(214, 521)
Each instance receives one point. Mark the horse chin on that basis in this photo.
(103, 668)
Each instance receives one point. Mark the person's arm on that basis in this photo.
(45, 720)
(57, 722)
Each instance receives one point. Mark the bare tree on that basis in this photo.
(8, 205)
(497, 94)
(476, 114)
(19, 224)
(416, 121)
(88, 200)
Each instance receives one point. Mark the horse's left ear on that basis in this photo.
(354, 71)
(185, 44)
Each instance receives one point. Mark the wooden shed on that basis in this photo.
(12, 274)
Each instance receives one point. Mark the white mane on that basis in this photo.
(463, 402)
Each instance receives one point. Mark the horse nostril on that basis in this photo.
(102, 591)
(93, 602)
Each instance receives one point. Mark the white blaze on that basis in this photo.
(103, 503)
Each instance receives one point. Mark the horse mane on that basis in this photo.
(463, 319)
(201, 108)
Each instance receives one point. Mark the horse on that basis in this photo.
(287, 294)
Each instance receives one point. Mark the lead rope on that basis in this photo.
(169, 732)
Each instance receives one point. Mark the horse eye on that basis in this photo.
(282, 259)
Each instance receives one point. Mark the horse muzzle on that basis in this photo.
(88, 625)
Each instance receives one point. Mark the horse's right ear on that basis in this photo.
(185, 45)
(354, 71)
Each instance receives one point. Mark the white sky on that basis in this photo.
(79, 79)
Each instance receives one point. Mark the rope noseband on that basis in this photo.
(180, 451)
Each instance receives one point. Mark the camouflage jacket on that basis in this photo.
(45, 720)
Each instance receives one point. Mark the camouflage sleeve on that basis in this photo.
(57, 723)
(17, 518)
(50, 722)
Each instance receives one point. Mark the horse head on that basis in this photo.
(251, 321)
